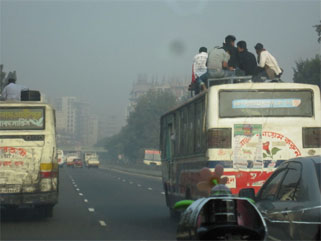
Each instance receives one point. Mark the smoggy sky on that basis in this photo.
(96, 49)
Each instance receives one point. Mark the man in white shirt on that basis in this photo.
(12, 91)
(267, 62)
(199, 66)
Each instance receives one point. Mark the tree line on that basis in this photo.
(142, 129)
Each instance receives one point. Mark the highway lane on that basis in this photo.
(97, 204)
(132, 206)
(71, 220)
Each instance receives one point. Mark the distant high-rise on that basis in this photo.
(140, 87)
(75, 124)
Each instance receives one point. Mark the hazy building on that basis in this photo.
(109, 126)
(177, 86)
(76, 125)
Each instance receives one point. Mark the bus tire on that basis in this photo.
(45, 211)
(174, 214)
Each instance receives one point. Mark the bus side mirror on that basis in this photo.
(248, 193)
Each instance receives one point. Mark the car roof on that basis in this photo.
(315, 159)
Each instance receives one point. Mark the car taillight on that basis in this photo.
(311, 137)
(219, 138)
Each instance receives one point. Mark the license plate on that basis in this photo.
(9, 190)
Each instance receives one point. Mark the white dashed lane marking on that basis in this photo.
(138, 185)
(150, 188)
(78, 189)
(80, 194)
(102, 223)
(163, 193)
(130, 182)
(85, 200)
(91, 209)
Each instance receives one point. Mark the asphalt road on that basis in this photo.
(97, 204)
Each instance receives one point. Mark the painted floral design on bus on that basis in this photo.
(268, 152)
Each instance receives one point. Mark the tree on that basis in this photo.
(143, 126)
(318, 30)
(308, 71)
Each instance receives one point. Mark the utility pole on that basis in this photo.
(2, 77)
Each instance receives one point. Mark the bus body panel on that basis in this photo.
(258, 144)
(280, 138)
(28, 160)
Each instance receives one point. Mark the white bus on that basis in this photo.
(28, 160)
(152, 157)
(249, 128)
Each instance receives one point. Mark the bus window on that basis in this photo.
(22, 118)
(266, 103)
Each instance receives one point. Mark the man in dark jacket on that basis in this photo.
(247, 60)
(229, 46)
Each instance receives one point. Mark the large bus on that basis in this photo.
(152, 157)
(249, 128)
(28, 158)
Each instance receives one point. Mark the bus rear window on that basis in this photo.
(22, 118)
(265, 103)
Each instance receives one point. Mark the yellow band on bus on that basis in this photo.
(45, 166)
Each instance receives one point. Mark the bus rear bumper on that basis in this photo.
(28, 199)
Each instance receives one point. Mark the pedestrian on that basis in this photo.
(217, 63)
(267, 62)
(200, 68)
(230, 46)
(12, 91)
(247, 60)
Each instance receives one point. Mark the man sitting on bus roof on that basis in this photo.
(217, 63)
(12, 91)
(229, 44)
(267, 62)
(200, 69)
(247, 60)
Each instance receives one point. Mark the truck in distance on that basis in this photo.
(91, 159)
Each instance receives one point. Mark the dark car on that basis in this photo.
(77, 163)
(290, 200)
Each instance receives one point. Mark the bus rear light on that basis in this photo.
(50, 174)
(219, 138)
(311, 137)
(46, 171)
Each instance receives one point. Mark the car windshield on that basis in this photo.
(117, 115)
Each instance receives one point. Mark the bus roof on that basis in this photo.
(24, 103)
(248, 85)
